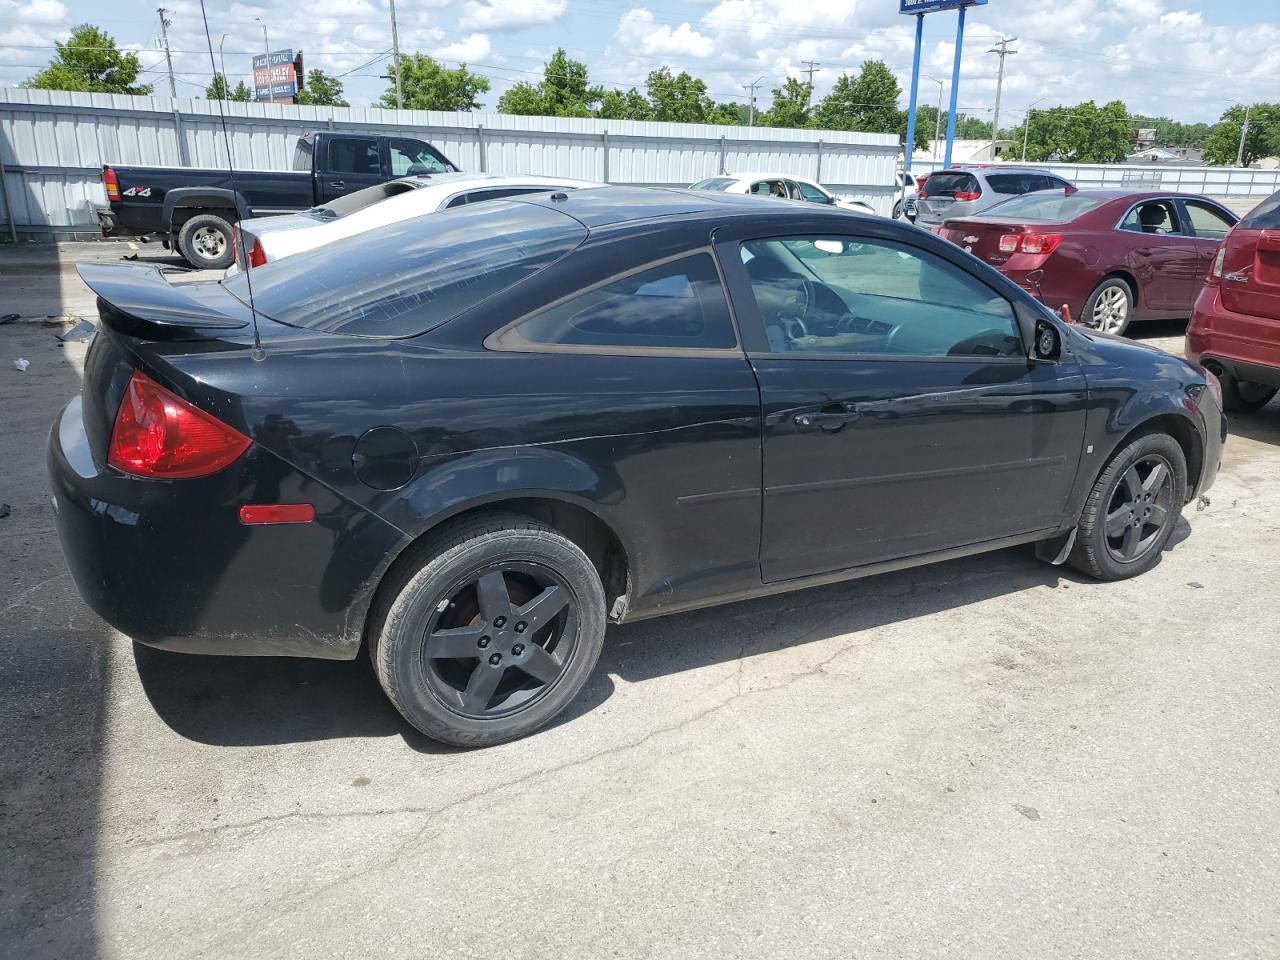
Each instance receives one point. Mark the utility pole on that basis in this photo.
(395, 55)
(751, 89)
(937, 125)
(1244, 132)
(1002, 50)
(1026, 126)
(165, 23)
(810, 67)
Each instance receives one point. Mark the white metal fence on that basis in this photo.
(1213, 181)
(53, 145)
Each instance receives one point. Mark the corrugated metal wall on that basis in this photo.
(53, 145)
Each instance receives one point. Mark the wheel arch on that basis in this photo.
(1125, 274)
(576, 519)
(182, 204)
(1178, 425)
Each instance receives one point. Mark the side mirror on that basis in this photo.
(1048, 342)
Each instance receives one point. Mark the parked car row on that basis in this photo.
(466, 442)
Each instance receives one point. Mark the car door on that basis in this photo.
(353, 164)
(901, 414)
(1164, 257)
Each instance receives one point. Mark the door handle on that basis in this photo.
(828, 420)
(1143, 251)
(338, 185)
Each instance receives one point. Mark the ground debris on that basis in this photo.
(80, 333)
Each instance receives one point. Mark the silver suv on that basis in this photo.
(967, 191)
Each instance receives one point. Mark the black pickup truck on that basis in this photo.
(192, 209)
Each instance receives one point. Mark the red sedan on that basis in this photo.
(1235, 329)
(1110, 256)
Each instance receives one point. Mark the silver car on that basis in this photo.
(967, 191)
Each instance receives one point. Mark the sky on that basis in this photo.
(1185, 59)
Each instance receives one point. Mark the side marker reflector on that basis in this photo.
(277, 513)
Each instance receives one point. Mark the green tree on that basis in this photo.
(428, 85)
(681, 98)
(564, 91)
(1262, 139)
(217, 90)
(1085, 133)
(867, 102)
(242, 93)
(616, 105)
(90, 62)
(322, 90)
(790, 106)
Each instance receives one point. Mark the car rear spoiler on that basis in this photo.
(140, 293)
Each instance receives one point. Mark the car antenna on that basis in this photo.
(257, 352)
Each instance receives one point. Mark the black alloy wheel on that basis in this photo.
(501, 640)
(1140, 509)
(490, 628)
(1132, 510)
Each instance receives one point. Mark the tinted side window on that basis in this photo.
(1154, 216)
(813, 194)
(1208, 222)
(354, 155)
(874, 298)
(415, 157)
(677, 304)
(1265, 216)
(302, 154)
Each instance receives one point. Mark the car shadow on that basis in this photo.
(1262, 425)
(246, 701)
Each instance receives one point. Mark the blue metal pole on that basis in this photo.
(915, 88)
(955, 88)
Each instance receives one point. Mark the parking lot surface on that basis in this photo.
(986, 758)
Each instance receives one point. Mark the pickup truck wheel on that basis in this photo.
(205, 242)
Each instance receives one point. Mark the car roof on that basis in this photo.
(605, 206)
(766, 175)
(454, 181)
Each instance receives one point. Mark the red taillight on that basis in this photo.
(921, 195)
(1215, 271)
(1009, 243)
(253, 513)
(965, 195)
(111, 183)
(257, 256)
(1042, 244)
(159, 435)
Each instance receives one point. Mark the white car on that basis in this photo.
(784, 186)
(262, 240)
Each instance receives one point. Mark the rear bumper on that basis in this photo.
(1216, 334)
(169, 564)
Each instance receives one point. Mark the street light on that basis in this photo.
(1244, 130)
(937, 125)
(266, 47)
(1026, 125)
(226, 92)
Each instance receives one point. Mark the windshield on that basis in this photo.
(409, 277)
(715, 183)
(1046, 207)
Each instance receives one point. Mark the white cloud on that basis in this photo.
(638, 31)
(33, 11)
(500, 15)
(471, 48)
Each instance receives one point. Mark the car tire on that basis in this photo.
(461, 626)
(1109, 307)
(1245, 396)
(897, 210)
(205, 242)
(1129, 516)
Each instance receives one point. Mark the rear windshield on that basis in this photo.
(949, 184)
(1265, 216)
(407, 278)
(715, 183)
(1016, 183)
(1054, 207)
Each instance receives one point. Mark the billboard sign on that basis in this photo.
(273, 76)
(933, 6)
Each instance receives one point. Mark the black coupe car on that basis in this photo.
(469, 442)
